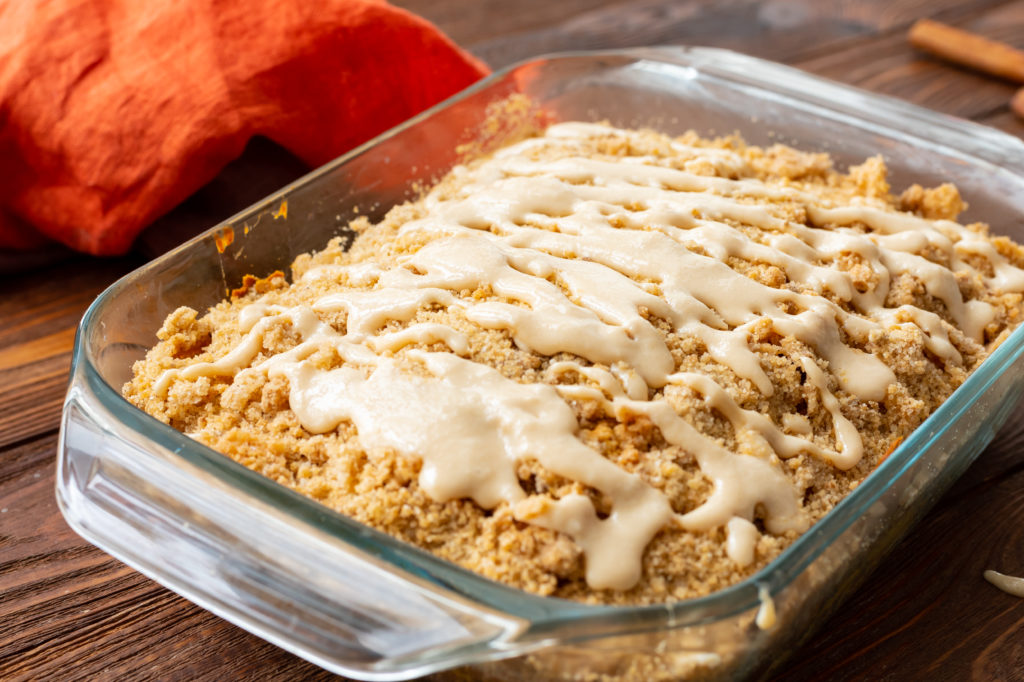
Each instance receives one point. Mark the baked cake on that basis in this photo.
(601, 364)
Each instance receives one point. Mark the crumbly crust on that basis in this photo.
(248, 417)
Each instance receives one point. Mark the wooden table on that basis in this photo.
(68, 611)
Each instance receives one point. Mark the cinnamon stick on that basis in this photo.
(968, 49)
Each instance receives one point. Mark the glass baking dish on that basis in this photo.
(362, 604)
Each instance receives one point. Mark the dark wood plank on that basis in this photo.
(470, 23)
(33, 394)
(779, 29)
(40, 312)
(52, 299)
(890, 66)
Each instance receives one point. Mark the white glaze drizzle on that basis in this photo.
(742, 540)
(578, 253)
(1007, 583)
(765, 618)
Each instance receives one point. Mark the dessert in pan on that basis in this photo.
(600, 364)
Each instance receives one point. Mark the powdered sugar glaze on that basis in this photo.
(572, 271)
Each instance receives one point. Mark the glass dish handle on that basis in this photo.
(246, 563)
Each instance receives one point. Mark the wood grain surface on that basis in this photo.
(70, 612)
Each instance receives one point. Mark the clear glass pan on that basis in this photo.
(362, 604)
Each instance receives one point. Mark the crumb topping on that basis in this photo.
(600, 364)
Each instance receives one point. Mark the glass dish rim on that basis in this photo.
(548, 612)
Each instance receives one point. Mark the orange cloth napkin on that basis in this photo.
(114, 111)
